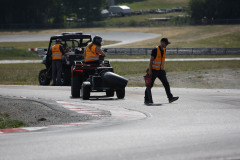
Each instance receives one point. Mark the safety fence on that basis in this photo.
(174, 51)
(148, 51)
(6, 48)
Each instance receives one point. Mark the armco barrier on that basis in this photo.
(6, 48)
(174, 51)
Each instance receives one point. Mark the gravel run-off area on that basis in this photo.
(37, 113)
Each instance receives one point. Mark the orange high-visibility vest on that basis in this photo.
(56, 52)
(159, 61)
(91, 54)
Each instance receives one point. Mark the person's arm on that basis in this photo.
(50, 52)
(84, 54)
(150, 66)
(153, 56)
(99, 51)
(62, 50)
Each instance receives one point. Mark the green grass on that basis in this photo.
(180, 36)
(169, 56)
(130, 68)
(228, 40)
(139, 20)
(154, 4)
(20, 74)
(27, 74)
(6, 122)
(25, 45)
(193, 36)
(17, 54)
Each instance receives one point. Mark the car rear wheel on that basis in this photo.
(120, 93)
(86, 89)
(75, 86)
(42, 78)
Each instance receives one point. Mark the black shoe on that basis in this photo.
(173, 99)
(147, 102)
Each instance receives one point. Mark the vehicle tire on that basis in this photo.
(86, 89)
(64, 79)
(109, 93)
(120, 93)
(76, 86)
(42, 78)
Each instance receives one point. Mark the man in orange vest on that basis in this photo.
(156, 70)
(93, 50)
(57, 52)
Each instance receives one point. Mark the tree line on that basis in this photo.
(214, 9)
(45, 12)
(49, 11)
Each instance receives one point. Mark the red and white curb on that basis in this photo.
(83, 108)
(65, 105)
(117, 113)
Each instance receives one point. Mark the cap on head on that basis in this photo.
(97, 40)
(165, 40)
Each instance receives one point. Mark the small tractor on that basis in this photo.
(75, 42)
(87, 78)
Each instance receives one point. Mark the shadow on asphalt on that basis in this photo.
(159, 104)
(94, 98)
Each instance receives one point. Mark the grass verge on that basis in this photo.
(20, 74)
(169, 56)
(27, 74)
(180, 36)
(17, 54)
(130, 68)
(6, 122)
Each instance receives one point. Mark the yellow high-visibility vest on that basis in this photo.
(56, 52)
(159, 61)
(91, 54)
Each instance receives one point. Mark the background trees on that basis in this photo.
(42, 12)
(54, 13)
(217, 9)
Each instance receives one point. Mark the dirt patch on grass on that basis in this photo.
(222, 78)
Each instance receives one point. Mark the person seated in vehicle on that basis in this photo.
(93, 51)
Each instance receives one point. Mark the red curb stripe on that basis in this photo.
(12, 130)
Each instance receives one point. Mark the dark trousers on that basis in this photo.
(161, 75)
(56, 72)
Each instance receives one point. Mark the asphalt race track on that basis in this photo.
(123, 37)
(202, 124)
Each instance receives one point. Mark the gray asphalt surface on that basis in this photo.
(124, 37)
(202, 124)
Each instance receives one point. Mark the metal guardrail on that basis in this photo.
(174, 51)
(6, 48)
